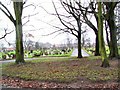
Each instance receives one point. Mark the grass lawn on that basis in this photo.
(63, 70)
(0, 55)
(119, 50)
(107, 50)
(62, 55)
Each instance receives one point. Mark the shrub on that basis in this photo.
(4, 56)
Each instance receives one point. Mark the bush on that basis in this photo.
(46, 53)
(4, 56)
(36, 55)
(13, 56)
(41, 52)
(56, 52)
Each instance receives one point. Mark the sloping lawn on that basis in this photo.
(65, 70)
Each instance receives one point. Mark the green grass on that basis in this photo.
(38, 52)
(11, 52)
(0, 54)
(107, 50)
(94, 57)
(62, 55)
(50, 59)
(61, 69)
(89, 52)
(119, 50)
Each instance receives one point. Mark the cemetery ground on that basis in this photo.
(61, 72)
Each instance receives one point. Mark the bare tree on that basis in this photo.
(109, 16)
(17, 21)
(87, 11)
(75, 17)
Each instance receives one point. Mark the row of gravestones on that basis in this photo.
(47, 52)
(37, 54)
(8, 56)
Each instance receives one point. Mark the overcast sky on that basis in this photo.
(37, 26)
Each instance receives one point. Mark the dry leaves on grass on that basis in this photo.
(81, 73)
(19, 83)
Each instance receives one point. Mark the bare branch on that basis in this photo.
(58, 34)
(7, 42)
(71, 10)
(26, 31)
(28, 18)
(53, 32)
(6, 33)
(8, 14)
(26, 22)
(62, 21)
(59, 29)
(29, 6)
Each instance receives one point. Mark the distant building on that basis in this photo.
(10, 49)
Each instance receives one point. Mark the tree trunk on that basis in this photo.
(113, 39)
(18, 6)
(19, 44)
(79, 39)
(97, 53)
(97, 46)
(89, 23)
(79, 46)
(107, 34)
(105, 62)
(110, 17)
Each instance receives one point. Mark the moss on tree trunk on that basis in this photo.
(18, 7)
(110, 17)
(105, 62)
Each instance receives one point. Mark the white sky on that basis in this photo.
(36, 23)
